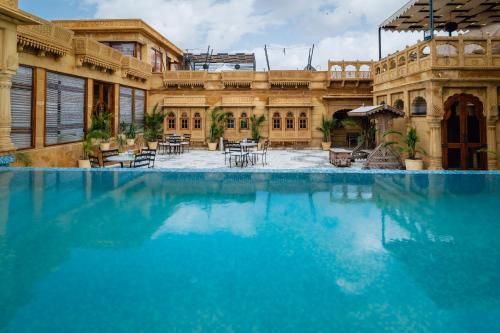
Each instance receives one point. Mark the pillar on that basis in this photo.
(5, 117)
(492, 143)
(435, 150)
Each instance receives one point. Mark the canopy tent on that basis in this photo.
(468, 15)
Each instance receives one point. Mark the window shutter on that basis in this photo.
(125, 105)
(65, 109)
(139, 108)
(21, 108)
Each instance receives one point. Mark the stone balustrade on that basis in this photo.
(278, 101)
(135, 68)
(91, 52)
(457, 52)
(185, 79)
(44, 38)
(9, 3)
(289, 78)
(237, 79)
(350, 70)
(184, 101)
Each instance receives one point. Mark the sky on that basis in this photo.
(339, 29)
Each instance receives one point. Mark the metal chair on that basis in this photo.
(94, 161)
(175, 144)
(239, 155)
(152, 156)
(105, 154)
(186, 141)
(262, 153)
(141, 160)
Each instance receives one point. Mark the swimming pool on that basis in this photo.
(249, 252)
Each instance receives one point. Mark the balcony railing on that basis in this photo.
(185, 79)
(289, 79)
(48, 38)
(237, 79)
(9, 3)
(350, 70)
(91, 52)
(442, 53)
(135, 68)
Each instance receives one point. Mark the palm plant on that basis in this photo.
(130, 132)
(101, 125)
(256, 122)
(217, 118)
(326, 128)
(410, 143)
(153, 124)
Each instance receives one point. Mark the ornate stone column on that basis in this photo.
(491, 138)
(435, 150)
(5, 117)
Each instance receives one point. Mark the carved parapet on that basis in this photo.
(237, 79)
(289, 79)
(184, 101)
(236, 101)
(9, 3)
(91, 52)
(290, 101)
(185, 79)
(135, 68)
(48, 38)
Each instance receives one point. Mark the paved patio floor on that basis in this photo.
(276, 159)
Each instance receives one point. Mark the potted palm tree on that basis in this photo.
(130, 133)
(326, 129)
(153, 127)
(217, 118)
(410, 148)
(255, 123)
(84, 162)
(100, 129)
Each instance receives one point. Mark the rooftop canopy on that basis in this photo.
(463, 15)
(374, 110)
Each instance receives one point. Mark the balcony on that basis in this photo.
(350, 70)
(237, 79)
(96, 55)
(46, 38)
(289, 79)
(185, 79)
(135, 69)
(461, 52)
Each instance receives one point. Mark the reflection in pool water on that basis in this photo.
(182, 252)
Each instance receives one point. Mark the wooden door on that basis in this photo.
(464, 134)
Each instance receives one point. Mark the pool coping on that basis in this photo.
(242, 170)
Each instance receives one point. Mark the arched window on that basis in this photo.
(184, 121)
(402, 61)
(171, 121)
(384, 68)
(197, 120)
(413, 56)
(350, 71)
(392, 64)
(425, 52)
(474, 49)
(244, 121)
(289, 120)
(276, 121)
(303, 120)
(377, 70)
(419, 106)
(399, 104)
(446, 50)
(230, 121)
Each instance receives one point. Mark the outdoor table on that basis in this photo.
(246, 145)
(122, 158)
(340, 157)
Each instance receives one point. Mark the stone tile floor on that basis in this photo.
(283, 159)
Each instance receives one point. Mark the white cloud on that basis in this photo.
(340, 29)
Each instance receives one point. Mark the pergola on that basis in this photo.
(441, 15)
(383, 157)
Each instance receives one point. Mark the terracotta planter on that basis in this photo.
(212, 146)
(326, 145)
(84, 164)
(414, 164)
(260, 145)
(104, 145)
(153, 145)
(130, 142)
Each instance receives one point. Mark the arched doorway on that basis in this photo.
(464, 133)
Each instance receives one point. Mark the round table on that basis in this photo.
(122, 158)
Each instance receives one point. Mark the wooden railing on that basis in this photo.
(45, 38)
(442, 52)
(90, 51)
(350, 70)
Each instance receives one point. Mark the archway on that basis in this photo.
(464, 133)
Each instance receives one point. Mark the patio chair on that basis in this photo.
(175, 144)
(237, 153)
(152, 156)
(261, 153)
(186, 141)
(94, 161)
(141, 160)
(109, 153)
(163, 146)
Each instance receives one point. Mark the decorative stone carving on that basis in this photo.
(290, 101)
(135, 68)
(184, 101)
(45, 38)
(91, 52)
(289, 79)
(237, 79)
(185, 79)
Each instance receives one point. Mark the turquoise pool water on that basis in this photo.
(249, 252)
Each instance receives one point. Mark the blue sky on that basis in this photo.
(339, 29)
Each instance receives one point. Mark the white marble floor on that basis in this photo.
(276, 159)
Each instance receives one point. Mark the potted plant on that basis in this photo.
(217, 118)
(326, 129)
(153, 127)
(84, 162)
(410, 147)
(100, 129)
(131, 134)
(255, 123)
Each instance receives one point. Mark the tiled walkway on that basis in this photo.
(277, 159)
